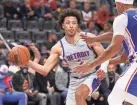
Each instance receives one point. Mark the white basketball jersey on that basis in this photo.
(76, 54)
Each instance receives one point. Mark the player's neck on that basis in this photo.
(73, 39)
(127, 7)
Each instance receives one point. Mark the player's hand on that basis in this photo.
(88, 38)
(100, 74)
(83, 68)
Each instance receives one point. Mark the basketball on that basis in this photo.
(19, 55)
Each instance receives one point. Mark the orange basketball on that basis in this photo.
(19, 55)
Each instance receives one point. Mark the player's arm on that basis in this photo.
(50, 62)
(119, 59)
(111, 51)
(37, 55)
(119, 26)
(90, 38)
(97, 47)
(105, 37)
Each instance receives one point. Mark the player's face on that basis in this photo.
(70, 25)
(119, 7)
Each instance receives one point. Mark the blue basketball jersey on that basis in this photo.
(130, 42)
(130, 45)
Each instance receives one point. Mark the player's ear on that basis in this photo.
(63, 26)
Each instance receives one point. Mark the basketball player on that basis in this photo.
(75, 51)
(125, 29)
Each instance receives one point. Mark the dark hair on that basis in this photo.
(69, 12)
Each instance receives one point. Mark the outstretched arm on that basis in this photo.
(111, 51)
(114, 48)
(106, 37)
(99, 50)
(50, 63)
(119, 59)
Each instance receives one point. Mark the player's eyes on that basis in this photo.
(67, 22)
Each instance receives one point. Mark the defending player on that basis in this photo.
(125, 29)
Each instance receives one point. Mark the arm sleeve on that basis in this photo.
(120, 24)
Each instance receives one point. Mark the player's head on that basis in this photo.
(123, 5)
(70, 20)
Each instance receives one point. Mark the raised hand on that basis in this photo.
(89, 38)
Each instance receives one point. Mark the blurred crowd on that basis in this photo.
(34, 24)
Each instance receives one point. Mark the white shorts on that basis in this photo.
(118, 96)
(125, 88)
(91, 81)
(128, 80)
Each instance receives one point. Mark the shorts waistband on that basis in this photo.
(80, 77)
